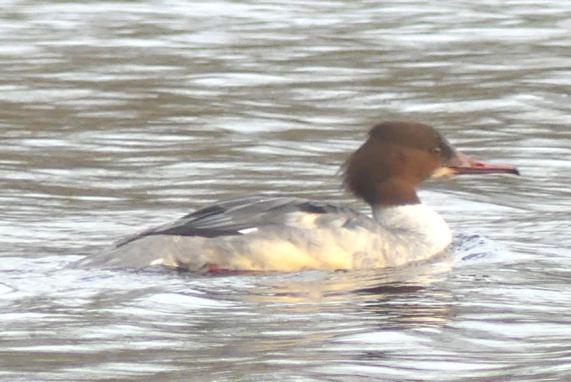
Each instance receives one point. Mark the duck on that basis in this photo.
(271, 233)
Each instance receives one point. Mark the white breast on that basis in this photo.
(417, 223)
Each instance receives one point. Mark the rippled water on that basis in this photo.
(115, 116)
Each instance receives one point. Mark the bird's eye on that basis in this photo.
(436, 150)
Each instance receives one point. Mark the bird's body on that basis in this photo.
(288, 234)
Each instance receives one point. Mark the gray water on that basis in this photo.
(116, 116)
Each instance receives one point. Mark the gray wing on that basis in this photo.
(233, 216)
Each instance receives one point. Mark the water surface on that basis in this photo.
(115, 116)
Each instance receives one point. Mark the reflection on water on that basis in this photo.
(210, 322)
(116, 116)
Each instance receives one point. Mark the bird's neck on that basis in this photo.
(415, 222)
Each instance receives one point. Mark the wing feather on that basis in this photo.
(239, 216)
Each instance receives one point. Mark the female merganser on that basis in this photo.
(268, 233)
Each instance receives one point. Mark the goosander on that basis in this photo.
(269, 233)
